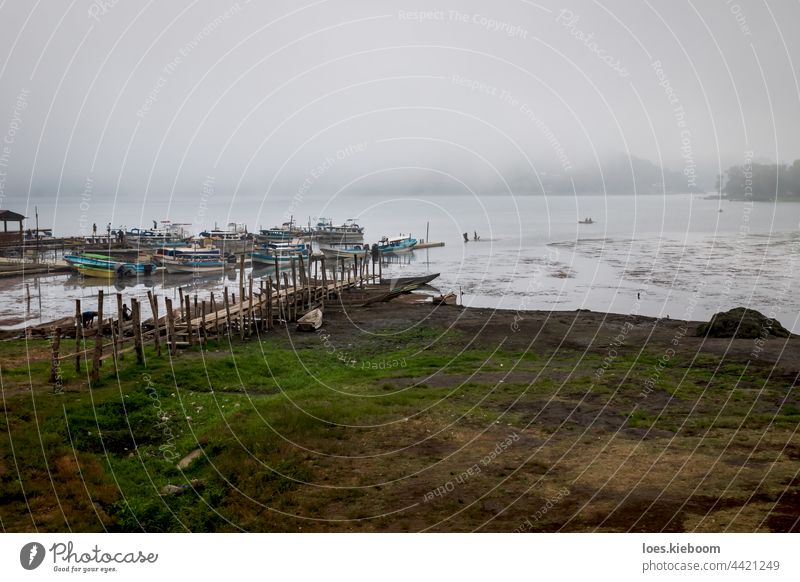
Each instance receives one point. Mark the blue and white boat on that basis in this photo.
(397, 244)
(105, 267)
(283, 253)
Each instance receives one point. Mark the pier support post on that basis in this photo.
(98, 342)
(227, 313)
(189, 321)
(324, 280)
(114, 353)
(216, 315)
(171, 326)
(287, 311)
(250, 312)
(203, 334)
(269, 304)
(120, 325)
(157, 328)
(54, 365)
(78, 335)
(136, 315)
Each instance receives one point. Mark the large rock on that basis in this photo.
(742, 323)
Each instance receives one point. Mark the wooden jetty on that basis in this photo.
(258, 306)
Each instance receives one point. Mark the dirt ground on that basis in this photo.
(578, 460)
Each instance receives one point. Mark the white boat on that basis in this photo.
(233, 232)
(184, 252)
(348, 233)
(168, 232)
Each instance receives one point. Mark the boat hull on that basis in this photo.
(176, 267)
(97, 272)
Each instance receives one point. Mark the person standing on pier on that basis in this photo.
(94, 231)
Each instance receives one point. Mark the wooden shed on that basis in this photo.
(13, 235)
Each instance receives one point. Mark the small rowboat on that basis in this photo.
(311, 321)
(446, 299)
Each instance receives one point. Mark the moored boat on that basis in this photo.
(105, 267)
(184, 252)
(397, 244)
(193, 265)
(168, 232)
(285, 233)
(283, 253)
(346, 251)
(349, 232)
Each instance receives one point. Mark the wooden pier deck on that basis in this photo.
(277, 300)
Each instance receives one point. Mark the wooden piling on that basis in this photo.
(227, 313)
(294, 293)
(241, 295)
(78, 335)
(287, 314)
(171, 326)
(189, 321)
(216, 316)
(180, 296)
(136, 315)
(269, 304)
(55, 373)
(114, 351)
(203, 334)
(278, 292)
(154, 310)
(324, 279)
(120, 324)
(98, 341)
(251, 314)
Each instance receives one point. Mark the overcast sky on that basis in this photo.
(155, 98)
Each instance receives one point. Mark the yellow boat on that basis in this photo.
(98, 272)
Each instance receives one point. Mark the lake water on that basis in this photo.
(683, 257)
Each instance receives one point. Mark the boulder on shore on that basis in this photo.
(742, 323)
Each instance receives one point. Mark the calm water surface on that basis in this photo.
(680, 254)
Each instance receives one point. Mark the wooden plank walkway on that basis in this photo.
(277, 301)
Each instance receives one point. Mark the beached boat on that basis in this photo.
(397, 244)
(281, 252)
(414, 282)
(347, 233)
(311, 321)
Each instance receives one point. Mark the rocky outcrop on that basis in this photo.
(742, 323)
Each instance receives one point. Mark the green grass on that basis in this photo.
(94, 458)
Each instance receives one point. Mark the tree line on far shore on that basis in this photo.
(762, 182)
